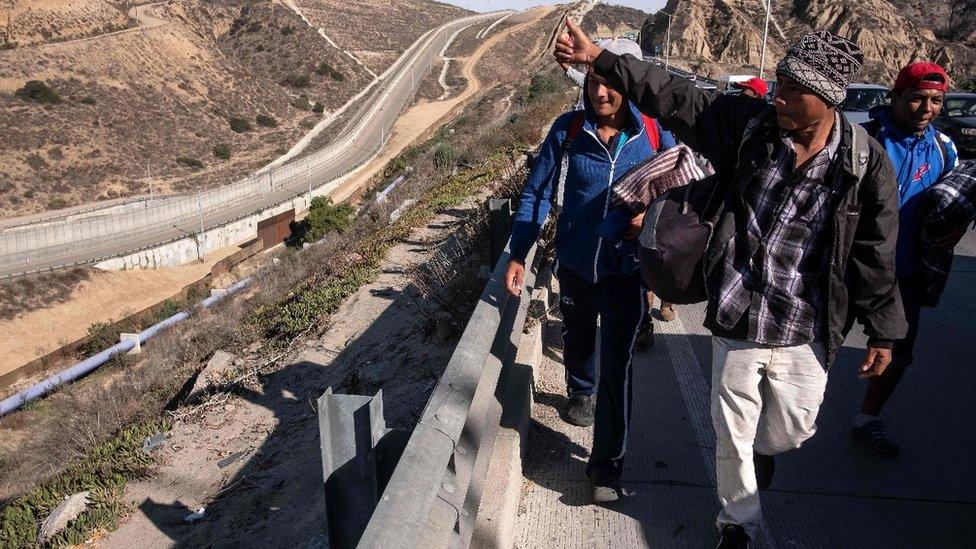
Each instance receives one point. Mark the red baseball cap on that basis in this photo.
(755, 84)
(922, 76)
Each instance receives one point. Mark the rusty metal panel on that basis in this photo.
(274, 230)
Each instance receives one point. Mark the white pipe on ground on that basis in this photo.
(92, 363)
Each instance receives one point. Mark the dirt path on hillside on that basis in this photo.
(107, 296)
(426, 116)
(144, 18)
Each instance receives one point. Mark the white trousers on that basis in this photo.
(764, 399)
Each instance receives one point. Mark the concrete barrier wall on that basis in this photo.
(218, 225)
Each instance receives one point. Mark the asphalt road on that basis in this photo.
(832, 492)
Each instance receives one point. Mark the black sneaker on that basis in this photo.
(873, 435)
(645, 335)
(733, 537)
(579, 410)
(765, 468)
(604, 486)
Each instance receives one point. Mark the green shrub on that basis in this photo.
(323, 218)
(101, 336)
(190, 162)
(87, 100)
(318, 108)
(542, 86)
(301, 103)
(167, 309)
(222, 151)
(325, 69)
(58, 203)
(297, 80)
(240, 125)
(445, 156)
(285, 31)
(36, 91)
(103, 472)
(266, 121)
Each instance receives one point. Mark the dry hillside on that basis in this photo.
(606, 20)
(720, 35)
(377, 31)
(199, 93)
(39, 21)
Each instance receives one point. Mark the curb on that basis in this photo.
(496, 519)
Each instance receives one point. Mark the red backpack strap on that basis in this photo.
(653, 131)
(574, 129)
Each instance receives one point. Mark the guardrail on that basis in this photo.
(432, 495)
(21, 246)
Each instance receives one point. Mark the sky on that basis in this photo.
(649, 6)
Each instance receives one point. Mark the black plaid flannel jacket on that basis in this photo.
(775, 271)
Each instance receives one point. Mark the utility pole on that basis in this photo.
(200, 249)
(8, 6)
(762, 59)
(308, 176)
(667, 44)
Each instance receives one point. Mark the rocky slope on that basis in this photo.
(606, 20)
(199, 93)
(891, 32)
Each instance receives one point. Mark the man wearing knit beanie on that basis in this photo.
(807, 233)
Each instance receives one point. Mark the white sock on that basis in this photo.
(860, 420)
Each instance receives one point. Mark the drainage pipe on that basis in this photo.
(93, 362)
(385, 193)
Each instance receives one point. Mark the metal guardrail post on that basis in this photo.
(358, 457)
(499, 227)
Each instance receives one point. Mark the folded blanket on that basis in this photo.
(646, 181)
(947, 206)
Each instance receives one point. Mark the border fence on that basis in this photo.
(33, 247)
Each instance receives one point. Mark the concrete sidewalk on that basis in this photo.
(830, 493)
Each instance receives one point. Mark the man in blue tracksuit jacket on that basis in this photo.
(597, 276)
(921, 156)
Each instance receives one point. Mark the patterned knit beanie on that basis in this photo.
(824, 63)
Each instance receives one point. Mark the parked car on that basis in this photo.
(958, 121)
(859, 100)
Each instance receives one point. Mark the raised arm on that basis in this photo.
(709, 123)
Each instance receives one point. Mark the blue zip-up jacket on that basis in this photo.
(586, 198)
(918, 165)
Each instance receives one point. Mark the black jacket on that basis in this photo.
(864, 229)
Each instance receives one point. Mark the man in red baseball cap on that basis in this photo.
(754, 87)
(921, 156)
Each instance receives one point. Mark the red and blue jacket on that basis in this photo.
(919, 162)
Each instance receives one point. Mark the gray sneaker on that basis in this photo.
(873, 435)
(579, 410)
